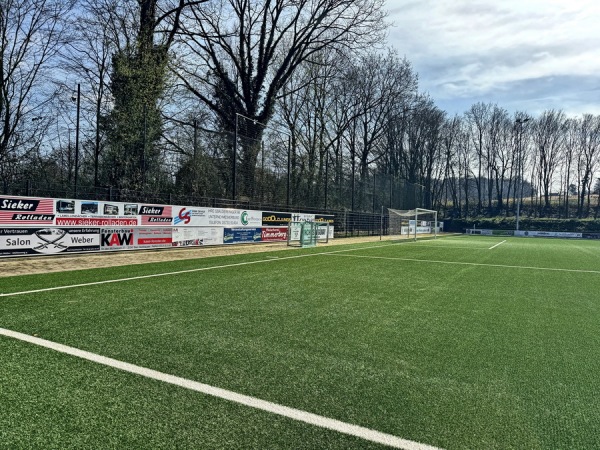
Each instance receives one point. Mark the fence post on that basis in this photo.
(289, 151)
(381, 224)
(374, 187)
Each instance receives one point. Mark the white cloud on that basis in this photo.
(481, 50)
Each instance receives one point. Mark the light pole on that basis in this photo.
(235, 145)
(519, 130)
(78, 99)
(419, 200)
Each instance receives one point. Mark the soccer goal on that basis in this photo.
(413, 222)
(307, 234)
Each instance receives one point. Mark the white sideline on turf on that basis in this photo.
(499, 243)
(291, 413)
(178, 272)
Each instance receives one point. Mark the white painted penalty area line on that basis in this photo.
(460, 263)
(179, 272)
(367, 434)
(498, 244)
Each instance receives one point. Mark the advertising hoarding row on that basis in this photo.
(35, 226)
(49, 241)
(29, 211)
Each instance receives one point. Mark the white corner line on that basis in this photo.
(499, 243)
(263, 405)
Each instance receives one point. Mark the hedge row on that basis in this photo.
(527, 224)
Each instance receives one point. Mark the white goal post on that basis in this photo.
(412, 222)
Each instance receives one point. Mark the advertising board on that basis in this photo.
(558, 234)
(274, 234)
(156, 215)
(135, 238)
(295, 231)
(188, 236)
(324, 218)
(590, 235)
(503, 232)
(48, 241)
(69, 225)
(302, 217)
(275, 219)
(94, 213)
(241, 235)
(216, 217)
(420, 230)
(25, 211)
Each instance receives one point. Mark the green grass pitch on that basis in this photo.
(447, 342)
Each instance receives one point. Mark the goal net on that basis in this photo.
(412, 223)
(307, 234)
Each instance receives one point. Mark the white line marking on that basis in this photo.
(506, 266)
(201, 269)
(285, 411)
(460, 247)
(179, 272)
(499, 243)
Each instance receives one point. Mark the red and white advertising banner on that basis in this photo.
(185, 237)
(216, 217)
(135, 238)
(25, 211)
(156, 215)
(274, 234)
(154, 237)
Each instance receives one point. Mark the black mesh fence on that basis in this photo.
(347, 223)
(255, 167)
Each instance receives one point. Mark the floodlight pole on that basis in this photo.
(77, 140)
(233, 163)
(416, 218)
(195, 123)
(381, 224)
(289, 168)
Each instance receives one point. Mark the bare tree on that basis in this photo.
(31, 33)
(548, 139)
(450, 181)
(498, 150)
(571, 147)
(478, 120)
(244, 51)
(99, 28)
(378, 86)
(588, 159)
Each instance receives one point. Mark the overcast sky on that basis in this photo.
(524, 55)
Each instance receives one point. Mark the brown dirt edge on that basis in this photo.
(61, 263)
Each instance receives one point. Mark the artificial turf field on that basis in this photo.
(459, 342)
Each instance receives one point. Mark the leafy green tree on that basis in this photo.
(138, 82)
